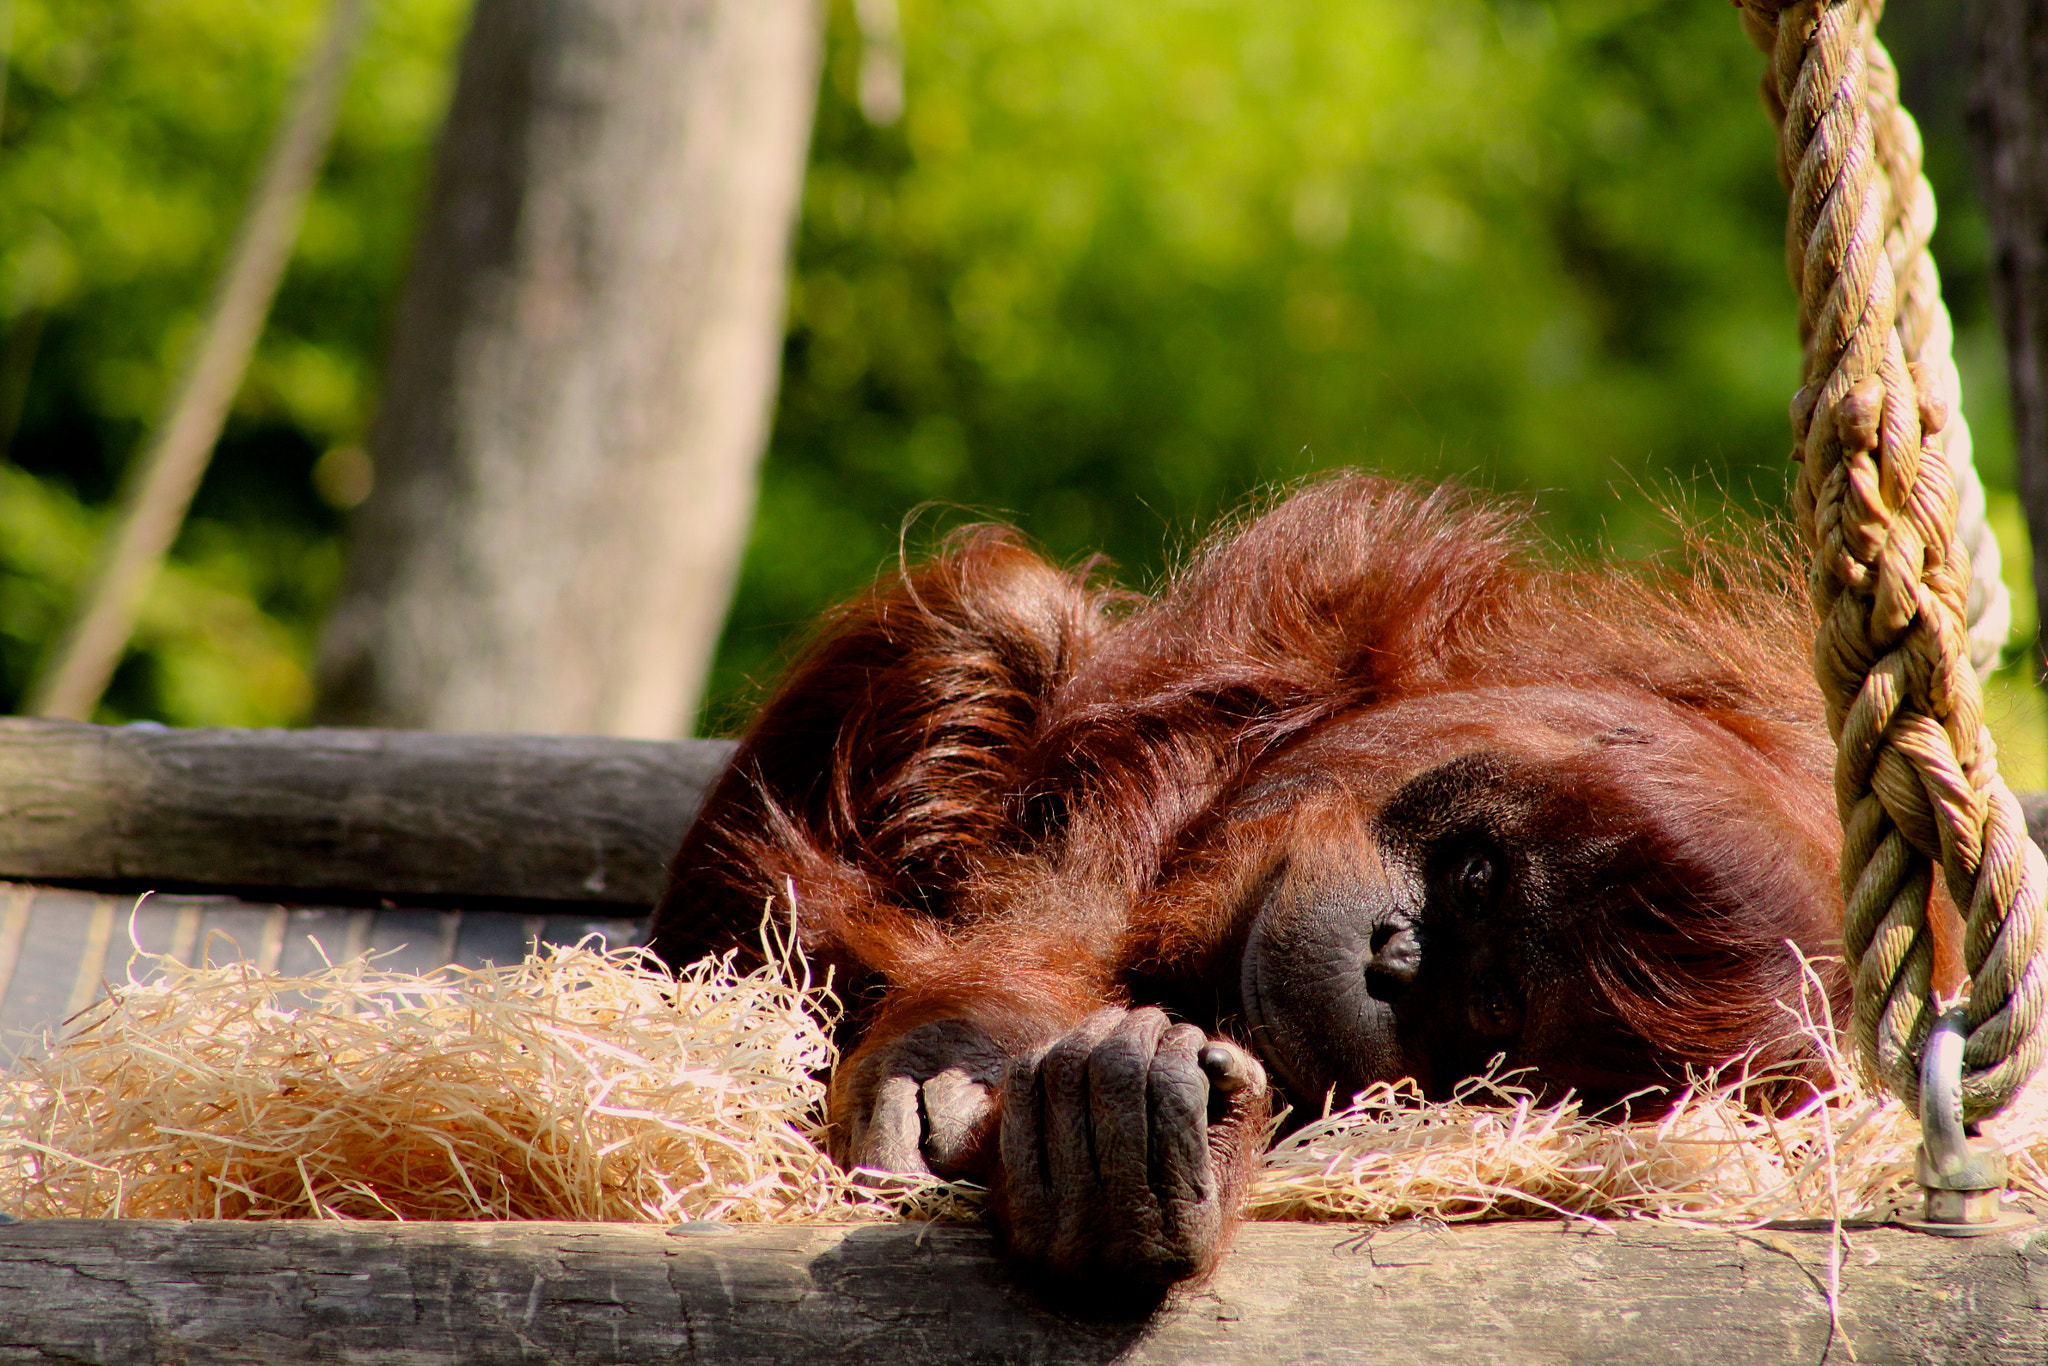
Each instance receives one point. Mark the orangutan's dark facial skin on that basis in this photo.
(1449, 928)
(1363, 794)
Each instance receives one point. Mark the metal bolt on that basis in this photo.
(1962, 1174)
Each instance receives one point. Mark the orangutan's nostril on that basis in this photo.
(1396, 959)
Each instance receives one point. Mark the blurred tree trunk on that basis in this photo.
(582, 371)
(2008, 118)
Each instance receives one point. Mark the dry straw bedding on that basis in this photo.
(580, 1085)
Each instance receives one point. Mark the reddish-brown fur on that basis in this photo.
(996, 790)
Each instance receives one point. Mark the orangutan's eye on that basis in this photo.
(1472, 879)
(1497, 1010)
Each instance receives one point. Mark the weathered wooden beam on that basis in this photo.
(141, 1292)
(399, 814)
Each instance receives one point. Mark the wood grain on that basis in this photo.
(910, 1295)
(477, 819)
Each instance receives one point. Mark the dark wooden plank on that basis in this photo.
(59, 947)
(2007, 119)
(41, 980)
(135, 1292)
(469, 819)
(2034, 805)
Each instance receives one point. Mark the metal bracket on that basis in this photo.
(1962, 1174)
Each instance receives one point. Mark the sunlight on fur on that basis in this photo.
(580, 1086)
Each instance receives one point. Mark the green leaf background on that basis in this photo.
(1118, 268)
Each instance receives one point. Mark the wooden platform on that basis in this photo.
(274, 846)
(465, 849)
(60, 948)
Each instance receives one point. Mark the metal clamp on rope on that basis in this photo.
(1962, 1174)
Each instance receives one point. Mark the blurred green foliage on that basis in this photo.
(1116, 268)
(130, 133)
(1120, 265)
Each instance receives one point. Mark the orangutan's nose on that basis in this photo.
(1396, 958)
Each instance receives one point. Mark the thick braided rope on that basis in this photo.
(1916, 775)
(1928, 340)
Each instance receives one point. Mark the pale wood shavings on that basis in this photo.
(579, 1084)
(1495, 1152)
(582, 1085)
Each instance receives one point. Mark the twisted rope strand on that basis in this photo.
(1928, 338)
(1883, 466)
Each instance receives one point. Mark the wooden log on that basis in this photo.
(134, 1292)
(348, 814)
